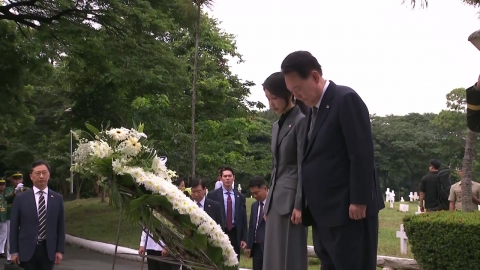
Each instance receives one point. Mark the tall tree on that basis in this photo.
(199, 4)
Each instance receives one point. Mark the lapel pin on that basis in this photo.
(51, 196)
(289, 126)
(209, 205)
(238, 196)
(328, 106)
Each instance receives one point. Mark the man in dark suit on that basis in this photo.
(234, 211)
(37, 225)
(256, 229)
(213, 208)
(473, 107)
(342, 194)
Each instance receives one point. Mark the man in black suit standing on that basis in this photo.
(256, 229)
(235, 212)
(213, 208)
(37, 225)
(341, 191)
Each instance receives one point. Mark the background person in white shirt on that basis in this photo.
(154, 249)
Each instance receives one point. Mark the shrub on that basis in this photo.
(445, 240)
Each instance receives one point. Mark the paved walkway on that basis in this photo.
(81, 259)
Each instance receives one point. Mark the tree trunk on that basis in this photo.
(96, 188)
(467, 204)
(194, 86)
(103, 195)
(79, 185)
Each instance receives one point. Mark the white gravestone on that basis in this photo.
(403, 240)
(415, 196)
(387, 195)
(404, 207)
(392, 196)
(411, 197)
(206, 191)
(391, 204)
(239, 188)
(418, 211)
(401, 199)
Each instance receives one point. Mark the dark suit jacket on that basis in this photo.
(251, 228)
(338, 166)
(214, 210)
(473, 109)
(240, 211)
(24, 225)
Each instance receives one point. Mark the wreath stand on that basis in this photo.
(157, 258)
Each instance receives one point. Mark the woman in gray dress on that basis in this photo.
(285, 236)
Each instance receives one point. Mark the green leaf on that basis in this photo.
(189, 244)
(185, 221)
(138, 202)
(215, 253)
(92, 129)
(200, 240)
(158, 200)
(140, 128)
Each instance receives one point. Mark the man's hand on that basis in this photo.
(164, 252)
(296, 217)
(249, 252)
(243, 245)
(58, 258)
(15, 259)
(141, 251)
(357, 211)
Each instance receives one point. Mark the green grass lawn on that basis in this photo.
(93, 220)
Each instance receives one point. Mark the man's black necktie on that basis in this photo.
(260, 217)
(312, 121)
(42, 216)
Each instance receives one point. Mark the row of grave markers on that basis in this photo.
(390, 196)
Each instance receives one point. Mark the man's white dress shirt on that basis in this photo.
(151, 244)
(37, 196)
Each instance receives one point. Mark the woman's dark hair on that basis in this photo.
(178, 181)
(275, 84)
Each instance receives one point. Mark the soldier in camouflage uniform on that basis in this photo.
(16, 186)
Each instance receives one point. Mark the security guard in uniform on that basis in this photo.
(3, 217)
(473, 107)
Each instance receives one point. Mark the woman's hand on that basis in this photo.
(296, 217)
